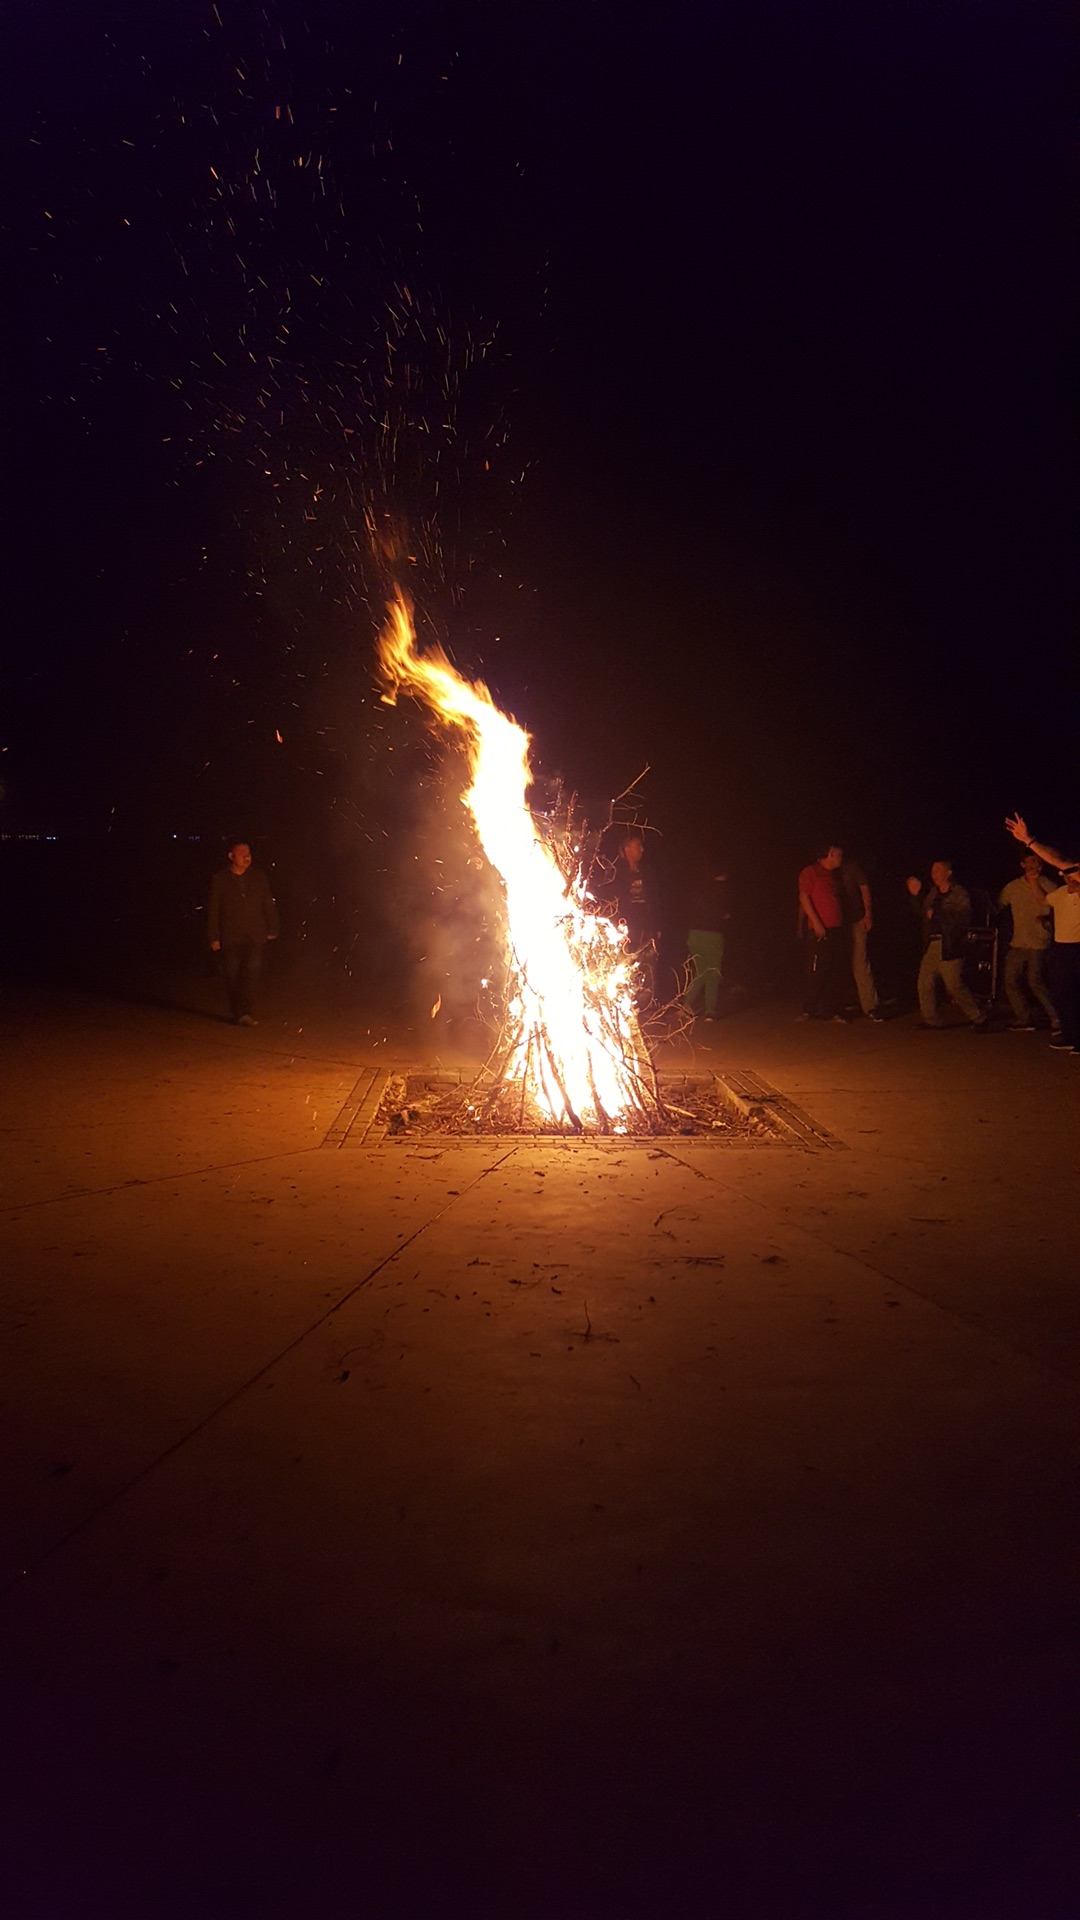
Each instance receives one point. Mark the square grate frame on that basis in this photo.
(774, 1119)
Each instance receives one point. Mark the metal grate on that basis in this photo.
(772, 1119)
(759, 1101)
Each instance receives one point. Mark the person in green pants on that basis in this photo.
(709, 915)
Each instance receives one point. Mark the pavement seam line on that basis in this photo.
(12, 1584)
(905, 1286)
(158, 1179)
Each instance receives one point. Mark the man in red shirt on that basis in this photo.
(827, 972)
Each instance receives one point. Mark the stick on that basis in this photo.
(524, 1084)
(630, 788)
(556, 1075)
(603, 1118)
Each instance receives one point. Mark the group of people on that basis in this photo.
(1042, 961)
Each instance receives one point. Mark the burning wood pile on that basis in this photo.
(428, 1107)
(572, 1054)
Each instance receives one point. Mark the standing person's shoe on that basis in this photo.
(876, 1014)
(1020, 1026)
(1058, 1045)
(246, 1020)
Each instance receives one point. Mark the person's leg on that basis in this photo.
(1036, 979)
(952, 972)
(837, 972)
(821, 976)
(928, 979)
(696, 984)
(645, 993)
(1074, 995)
(860, 967)
(812, 962)
(716, 974)
(250, 972)
(232, 959)
(707, 954)
(1014, 973)
(1066, 989)
(1057, 968)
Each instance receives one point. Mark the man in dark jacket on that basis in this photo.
(944, 910)
(629, 897)
(240, 918)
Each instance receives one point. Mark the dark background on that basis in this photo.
(709, 362)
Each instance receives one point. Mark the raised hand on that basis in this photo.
(1017, 826)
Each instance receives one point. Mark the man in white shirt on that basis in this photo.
(1025, 961)
(1064, 904)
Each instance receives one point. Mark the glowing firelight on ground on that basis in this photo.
(573, 1043)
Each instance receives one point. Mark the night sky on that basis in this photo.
(710, 359)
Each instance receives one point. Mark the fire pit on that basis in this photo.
(572, 1064)
(415, 1107)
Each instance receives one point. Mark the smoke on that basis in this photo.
(437, 902)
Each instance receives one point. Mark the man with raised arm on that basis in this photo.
(1064, 904)
(1017, 826)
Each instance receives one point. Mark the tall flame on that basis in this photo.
(574, 1040)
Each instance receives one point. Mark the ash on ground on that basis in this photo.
(422, 1105)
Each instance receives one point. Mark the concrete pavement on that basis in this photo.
(438, 1530)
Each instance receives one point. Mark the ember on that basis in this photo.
(572, 1047)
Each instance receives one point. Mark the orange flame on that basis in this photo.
(575, 1038)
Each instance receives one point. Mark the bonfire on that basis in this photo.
(572, 1048)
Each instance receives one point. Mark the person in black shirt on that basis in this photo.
(632, 901)
(241, 916)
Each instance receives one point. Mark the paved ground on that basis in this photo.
(541, 1534)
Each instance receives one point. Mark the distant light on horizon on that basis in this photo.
(190, 838)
